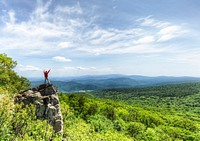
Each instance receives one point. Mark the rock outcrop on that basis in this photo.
(47, 104)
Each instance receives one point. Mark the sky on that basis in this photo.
(93, 37)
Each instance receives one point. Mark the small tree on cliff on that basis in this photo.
(8, 77)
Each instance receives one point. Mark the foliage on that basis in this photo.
(87, 118)
(172, 91)
(127, 121)
(19, 123)
(9, 78)
(6, 106)
(162, 113)
(135, 128)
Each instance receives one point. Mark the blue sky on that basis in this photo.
(134, 37)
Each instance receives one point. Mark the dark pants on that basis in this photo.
(46, 80)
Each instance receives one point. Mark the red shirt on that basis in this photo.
(46, 73)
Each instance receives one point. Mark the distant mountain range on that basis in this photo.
(96, 82)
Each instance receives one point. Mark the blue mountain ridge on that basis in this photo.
(96, 82)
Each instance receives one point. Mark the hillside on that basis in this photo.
(170, 90)
(181, 98)
(162, 113)
(157, 113)
(72, 84)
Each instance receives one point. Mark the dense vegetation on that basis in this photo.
(175, 90)
(17, 123)
(9, 79)
(110, 120)
(177, 98)
(162, 113)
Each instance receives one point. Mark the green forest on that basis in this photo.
(160, 113)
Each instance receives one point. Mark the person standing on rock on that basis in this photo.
(46, 73)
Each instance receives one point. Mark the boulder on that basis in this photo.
(47, 104)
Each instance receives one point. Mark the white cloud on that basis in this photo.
(165, 37)
(149, 21)
(170, 32)
(189, 56)
(61, 59)
(69, 10)
(145, 40)
(12, 16)
(74, 70)
(65, 45)
(66, 27)
(164, 31)
(170, 29)
(41, 31)
(80, 68)
(84, 68)
(28, 68)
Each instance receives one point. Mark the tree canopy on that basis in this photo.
(9, 79)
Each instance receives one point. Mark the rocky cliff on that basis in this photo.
(47, 104)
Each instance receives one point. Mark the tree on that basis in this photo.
(135, 128)
(8, 77)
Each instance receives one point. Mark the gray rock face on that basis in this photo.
(47, 104)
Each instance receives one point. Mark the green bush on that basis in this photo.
(135, 128)
(100, 123)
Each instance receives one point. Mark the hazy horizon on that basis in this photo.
(76, 38)
(54, 78)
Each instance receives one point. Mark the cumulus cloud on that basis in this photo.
(61, 59)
